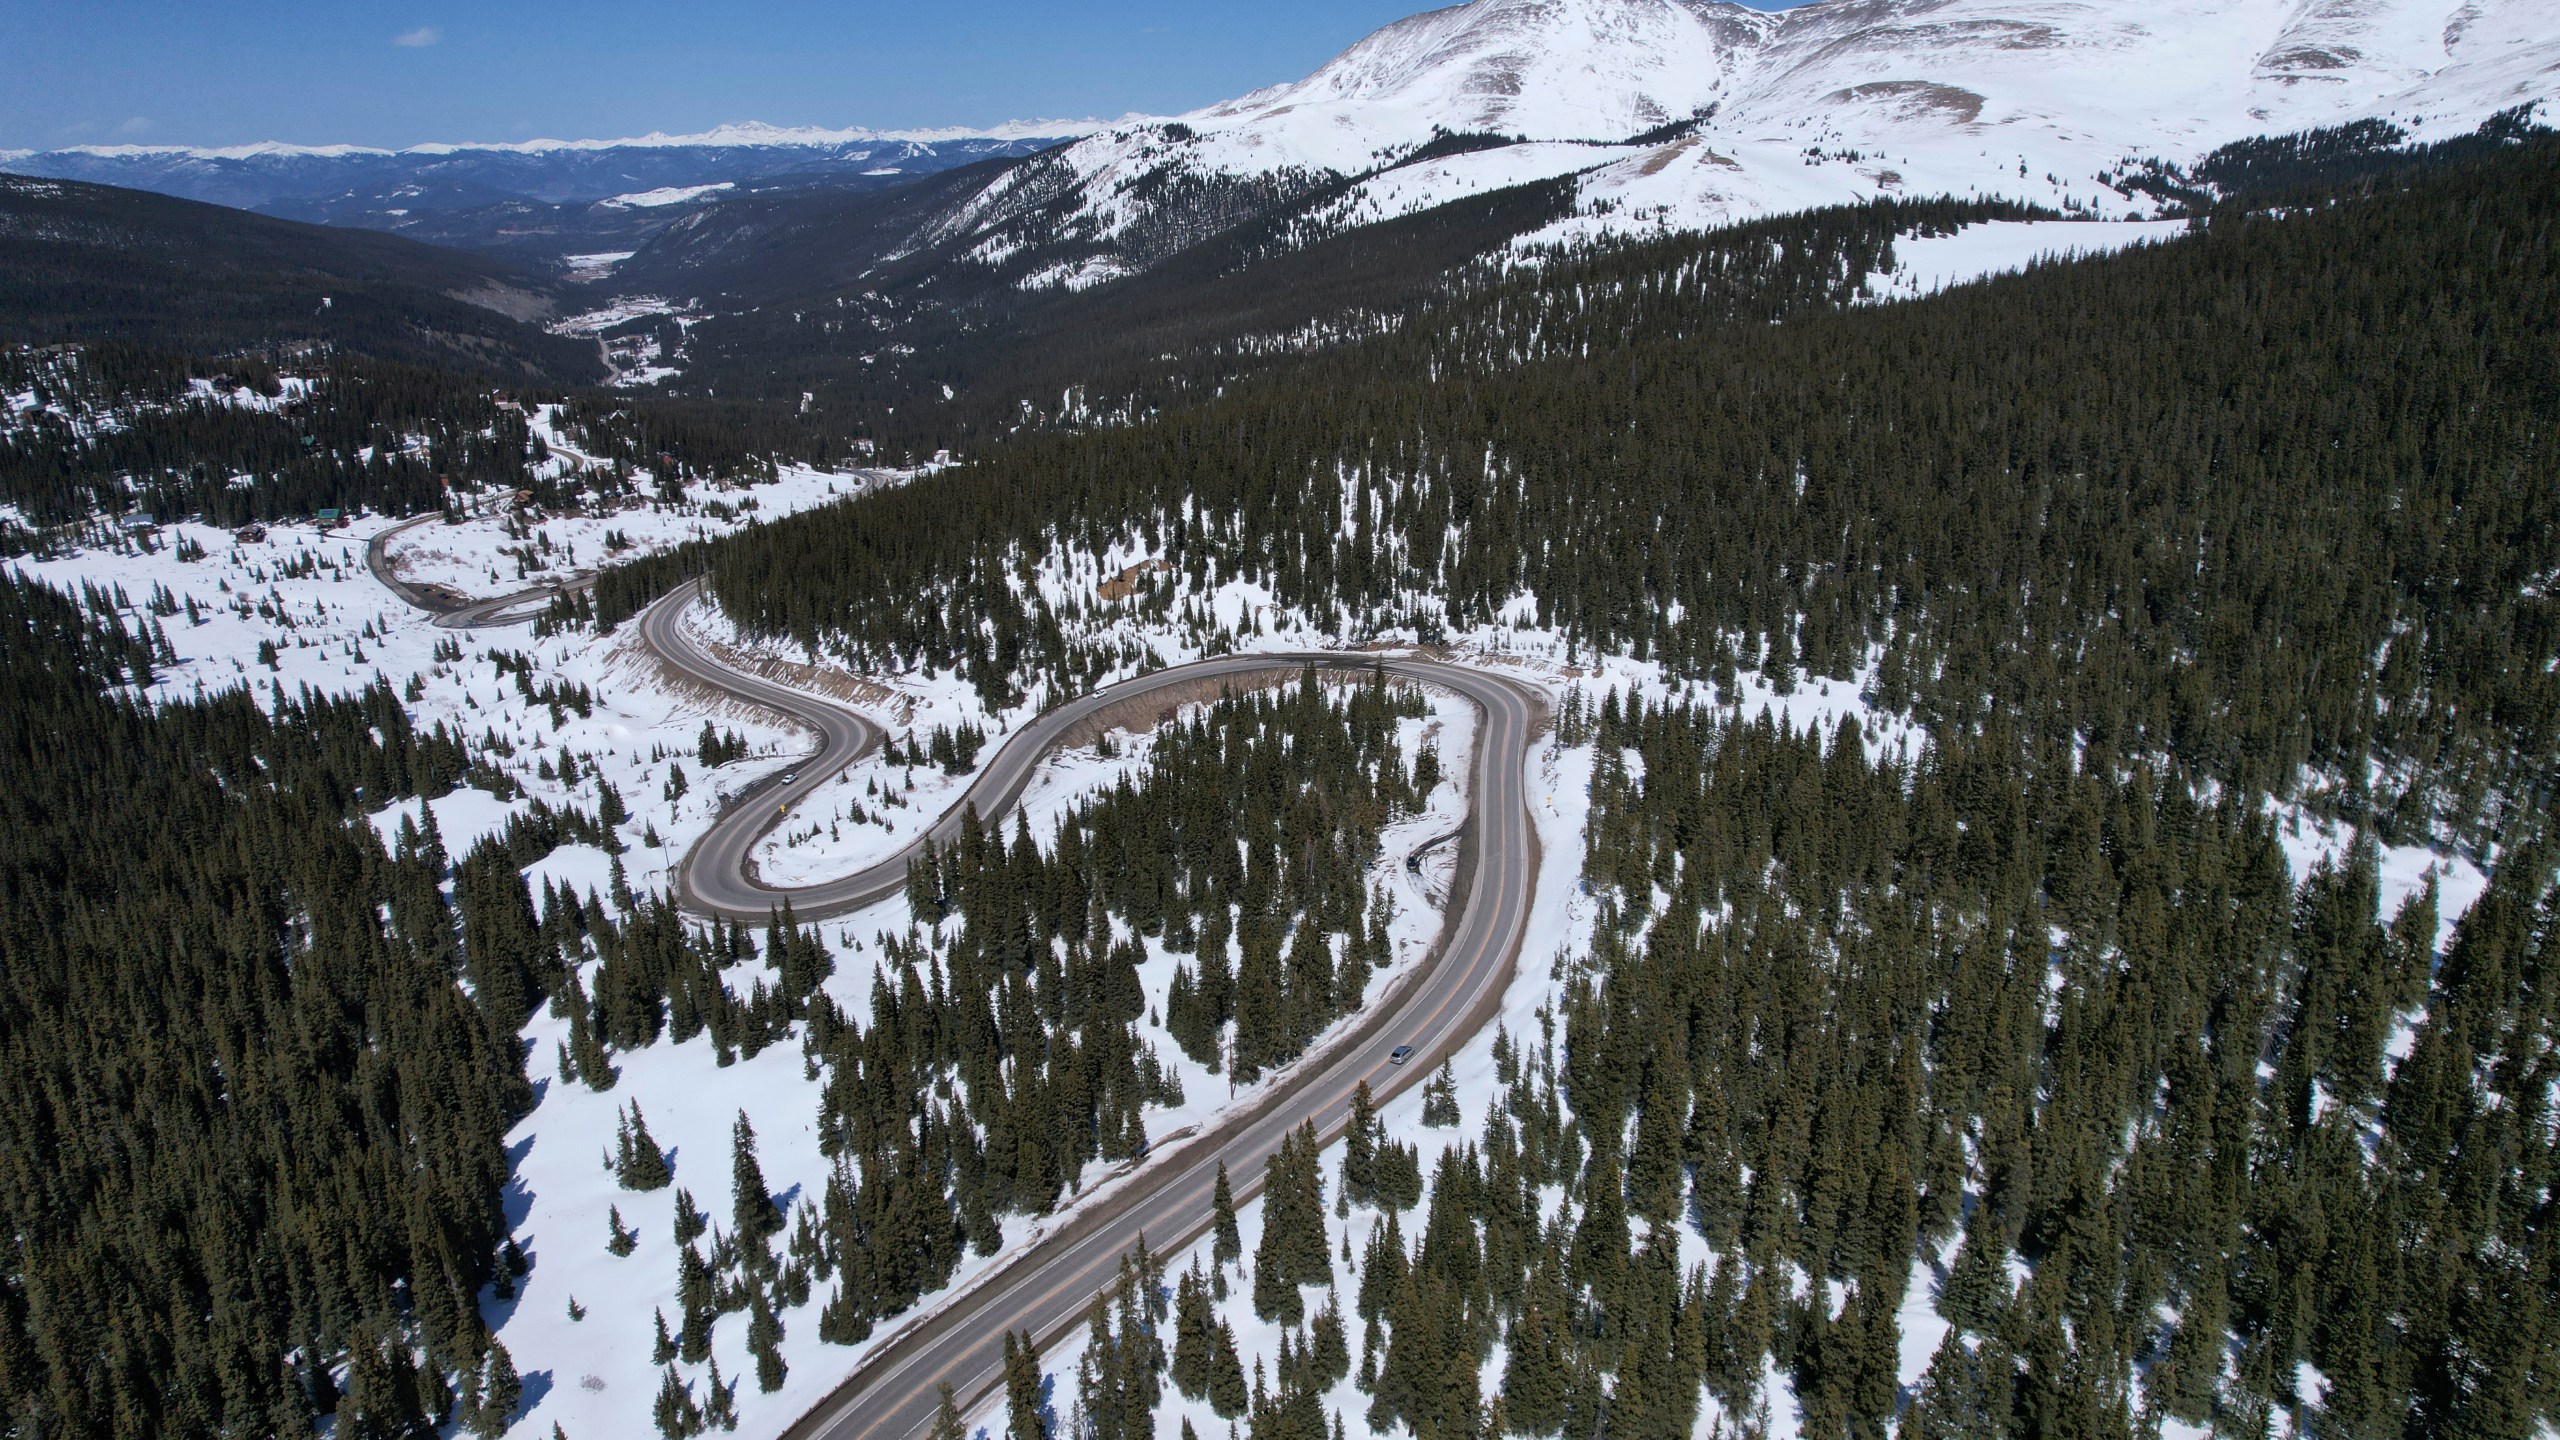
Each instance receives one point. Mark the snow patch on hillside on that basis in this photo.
(497, 550)
(2311, 841)
(1745, 114)
(1927, 264)
(306, 592)
(666, 195)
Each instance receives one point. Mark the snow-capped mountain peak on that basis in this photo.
(1838, 101)
(1537, 69)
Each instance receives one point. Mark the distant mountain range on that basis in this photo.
(898, 279)
(1660, 114)
(546, 199)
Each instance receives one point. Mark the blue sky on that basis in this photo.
(91, 72)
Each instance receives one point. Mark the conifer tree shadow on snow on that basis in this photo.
(537, 1384)
(517, 1198)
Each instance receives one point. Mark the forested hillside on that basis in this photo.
(96, 263)
(1832, 997)
(2269, 503)
(111, 426)
(240, 437)
(2004, 1004)
(2060, 1062)
(2027, 1032)
(252, 1140)
(877, 354)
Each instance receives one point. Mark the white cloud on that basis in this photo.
(135, 126)
(418, 39)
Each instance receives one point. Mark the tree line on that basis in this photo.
(252, 1121)
(2267, 500)
(2068, 1048)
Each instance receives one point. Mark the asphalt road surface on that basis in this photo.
(1165, 1197)
(453, 614)
(1043, 1288)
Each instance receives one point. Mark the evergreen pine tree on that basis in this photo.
(500, 1390)
(696, 1299)
(1227, 1393)
(1440, 1097)
(1225, 1247)
(674, 1408)
(721, 1407)
(753, 1210)
(1194, 1335)
(1360, 1148)
(638, 1163)
(1977, 1289)
(1023, 1420)
(1534, 1373)
(764, 1342)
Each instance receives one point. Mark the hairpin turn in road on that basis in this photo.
(893, 1391)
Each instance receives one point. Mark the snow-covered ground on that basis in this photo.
(563, 1192)
(497, 551)
(1692, 116)
(303, 590)
(634, 359)
(2311, 841)
(595, 265)
(332, 627)
(605, 317)
(1927, 264)
(667, 195)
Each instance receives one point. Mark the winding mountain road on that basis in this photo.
(450, 612)
(892, 1393)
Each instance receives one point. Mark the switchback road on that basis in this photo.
(892, 1394)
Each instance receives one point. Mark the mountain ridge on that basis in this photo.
(545, 200)
(95, 263)
(1837, 102)
(744, 133)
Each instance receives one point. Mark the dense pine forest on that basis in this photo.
(2273, 501)
(253, 1125)
(1240, 845)
(113, 426)
(1983, 1007)
(2138, 1103)
(1993, 1003)
(239, 438)
(1248, 300)
(2024, 1021)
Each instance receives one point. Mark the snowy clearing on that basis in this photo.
(1927, 264)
